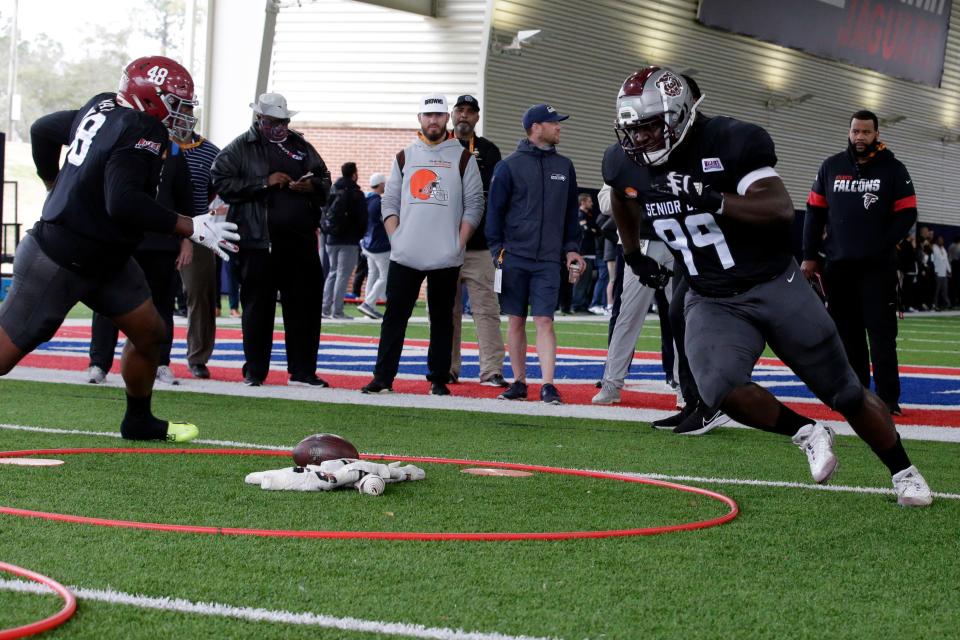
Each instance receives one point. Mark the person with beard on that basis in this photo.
(432, 204)
(719, 205)
(272, 168)
(477, 270)
(865, 199)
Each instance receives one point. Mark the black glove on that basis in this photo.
(650, 272)
(695, 195)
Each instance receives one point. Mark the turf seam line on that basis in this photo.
(656, 476)
(215, 609)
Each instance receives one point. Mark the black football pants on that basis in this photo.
(160, 269)
(292, 269)
(863, 303)
(403, 289)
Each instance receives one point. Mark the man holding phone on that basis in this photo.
(271, 167)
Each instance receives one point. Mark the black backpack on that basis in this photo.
(335, 215)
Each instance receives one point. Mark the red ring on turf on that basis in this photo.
(54, 621)
(380, 535)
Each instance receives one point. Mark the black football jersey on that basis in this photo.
(722, 257)
(630, 180)
(103, 198)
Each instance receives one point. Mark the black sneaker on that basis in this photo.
(549, 394)
(700, 423)
(516, 391)
(454, 378)
(895, 410)
(439, 389)
(250, 381)
(496, 380)
(671, 422)
(375, 386)
(307, 381)
(200, 371)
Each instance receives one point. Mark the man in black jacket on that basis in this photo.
(865, 199)
(271, 167)
(343, 245)
(477, 270)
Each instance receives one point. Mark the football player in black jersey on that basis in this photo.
(99, 204)
(721, 208)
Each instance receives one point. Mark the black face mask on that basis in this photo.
(868, 150)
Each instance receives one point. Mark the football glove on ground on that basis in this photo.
(650, 272)
(214, 232)
(695, 195)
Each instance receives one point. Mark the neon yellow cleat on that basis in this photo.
(181, 431)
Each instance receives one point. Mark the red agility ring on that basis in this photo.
(57, 619)
(379, 535)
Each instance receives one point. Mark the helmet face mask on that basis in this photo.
(162, 88)
(655, 109)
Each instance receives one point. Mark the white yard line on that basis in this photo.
(252, 614)
(655, 476)
(449, 403)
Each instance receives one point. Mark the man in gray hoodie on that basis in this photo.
(432, 204)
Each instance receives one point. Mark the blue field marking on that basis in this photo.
(353, 358)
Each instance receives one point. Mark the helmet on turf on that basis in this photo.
(162, 88)
(655, 108)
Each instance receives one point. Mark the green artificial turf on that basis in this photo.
(796, 563)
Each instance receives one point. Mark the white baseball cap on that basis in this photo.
(377, 179)
(433, 103)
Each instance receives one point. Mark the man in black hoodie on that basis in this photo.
(865, 199)
(343, 246)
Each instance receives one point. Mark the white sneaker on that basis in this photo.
(96, 375)
(912, 490)
(816, 440)
(608, 394)
(165, 376)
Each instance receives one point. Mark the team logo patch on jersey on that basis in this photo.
(630, 192)
(869, 199)
(711, 164)
(558, 176)
(149, 145)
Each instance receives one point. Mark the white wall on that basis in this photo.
(235, 34)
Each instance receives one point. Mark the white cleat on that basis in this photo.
(608, 394)
(165, 375)
(816, 440)
(912, 490)
(96, 375)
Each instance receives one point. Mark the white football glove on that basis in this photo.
(214, 232)
(291, 479)
(400, 473)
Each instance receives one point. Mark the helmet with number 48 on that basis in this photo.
(162, 88)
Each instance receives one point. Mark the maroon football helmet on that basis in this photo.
(162, 88)
(655, 108)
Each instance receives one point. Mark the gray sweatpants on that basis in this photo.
(343, 259)
(634, 302)
(726, 336)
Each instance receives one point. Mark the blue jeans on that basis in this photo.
(600, 291)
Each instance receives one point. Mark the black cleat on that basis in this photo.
(671, 422)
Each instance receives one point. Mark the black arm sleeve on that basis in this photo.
(129, 176)
(47, 137)
(815, 221)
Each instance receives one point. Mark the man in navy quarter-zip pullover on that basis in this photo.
(531, 227)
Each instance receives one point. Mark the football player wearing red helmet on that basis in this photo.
(101, 202)
(718, 204)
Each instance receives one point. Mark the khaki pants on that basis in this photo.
(477, 274)
(200, 287)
